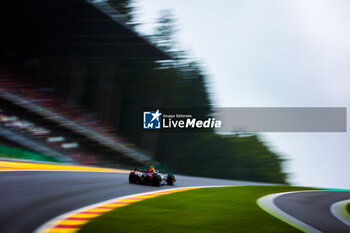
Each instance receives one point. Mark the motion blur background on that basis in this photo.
(273, 53)
(75, 76)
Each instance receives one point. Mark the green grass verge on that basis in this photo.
(224, 209)
(16, 153)
(348, 208)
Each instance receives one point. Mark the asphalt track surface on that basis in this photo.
(30, 198)
(313, 208)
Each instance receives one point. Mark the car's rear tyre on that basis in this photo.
(132, 178)
(170, 179)
(157, 180)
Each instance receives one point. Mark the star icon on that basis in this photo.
(156, 115)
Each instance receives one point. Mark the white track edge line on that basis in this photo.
(338, 210)
(267, 204)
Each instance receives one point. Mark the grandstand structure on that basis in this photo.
(61, 74)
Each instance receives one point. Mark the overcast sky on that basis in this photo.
(274, 53)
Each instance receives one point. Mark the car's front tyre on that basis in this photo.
(170, 179)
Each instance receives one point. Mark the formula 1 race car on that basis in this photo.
(151, 177)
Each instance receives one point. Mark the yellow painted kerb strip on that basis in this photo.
(20, 166)
(73, 221)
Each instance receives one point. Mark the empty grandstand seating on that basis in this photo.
(44, 102)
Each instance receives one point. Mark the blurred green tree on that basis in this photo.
(124, 7)
(181, 83)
